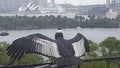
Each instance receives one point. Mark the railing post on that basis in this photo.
(78, 66)
(107, 63)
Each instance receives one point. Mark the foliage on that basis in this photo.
(51, 59)
(27, 59)
(110, 47)
(93, 50)
(94, 64)
(24, 22)
(30, 59)
(4, 59)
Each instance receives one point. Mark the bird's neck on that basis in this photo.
(58, 36)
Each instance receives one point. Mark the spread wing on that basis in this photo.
(35, 43)
(80, 45)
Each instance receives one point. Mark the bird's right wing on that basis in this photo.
(35, 43)
(80, 45)
(46, 47)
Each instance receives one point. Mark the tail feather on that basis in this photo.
(68, 61)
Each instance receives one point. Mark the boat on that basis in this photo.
(79, 27)
(4, 33)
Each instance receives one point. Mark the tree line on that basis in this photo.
(109, 47)
(43, 22)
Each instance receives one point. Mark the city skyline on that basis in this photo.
(80, 2)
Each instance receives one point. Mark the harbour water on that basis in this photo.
(95, 34)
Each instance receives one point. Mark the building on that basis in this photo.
(1, 3)
(43, 3)
(115, 3)
(19, 3)
(53, 1)
(107, 3)
(13, 5)
(114, 8)
(111, 14)
(52, 8)
(36, 2)
(30, 7)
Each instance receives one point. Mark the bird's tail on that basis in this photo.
(68, 61)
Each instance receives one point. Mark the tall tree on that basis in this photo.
(110, 47)
(93, 50)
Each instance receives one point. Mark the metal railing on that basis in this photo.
(89, 63)
(27, 65)
(113, 62)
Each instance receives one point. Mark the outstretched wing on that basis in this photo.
(35, 43)
(80, 45)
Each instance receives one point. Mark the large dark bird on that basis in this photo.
(66, 52)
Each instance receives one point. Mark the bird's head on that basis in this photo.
(59, 33)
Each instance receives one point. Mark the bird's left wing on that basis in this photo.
(35, 43)
(80, 45)
(79, 48)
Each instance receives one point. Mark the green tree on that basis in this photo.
(30, 59)
(93, 50)
(110, 47)
(4, 59)
(79, 18)
(26, 59)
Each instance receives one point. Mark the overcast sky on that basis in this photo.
(82, 2)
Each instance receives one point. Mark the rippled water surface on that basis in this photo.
(95, 34)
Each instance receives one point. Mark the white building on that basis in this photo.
(52, 8)
(111, 14)
(28, 7)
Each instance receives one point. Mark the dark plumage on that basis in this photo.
(66, 52)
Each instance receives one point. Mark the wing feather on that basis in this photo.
(79, 48)
(47, 47)
(80, 45)
(35, 43)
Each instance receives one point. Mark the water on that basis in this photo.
(95, 34)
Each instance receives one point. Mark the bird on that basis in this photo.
(67, 52)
